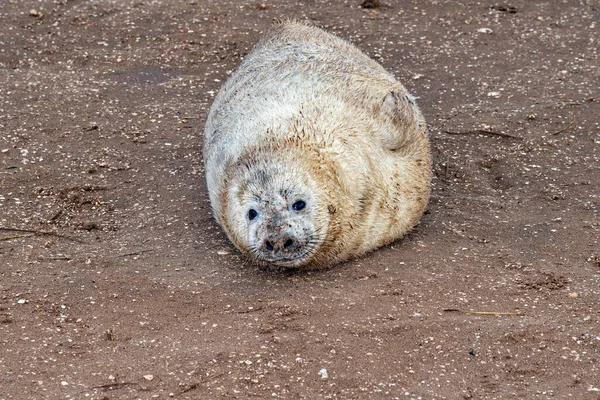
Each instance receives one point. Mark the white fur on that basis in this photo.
(328, 123)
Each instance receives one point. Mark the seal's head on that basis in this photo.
(274, 210)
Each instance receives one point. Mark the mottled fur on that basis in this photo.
(307, 115)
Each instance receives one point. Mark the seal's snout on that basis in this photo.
(281, 246)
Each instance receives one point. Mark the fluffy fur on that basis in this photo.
(308, 117)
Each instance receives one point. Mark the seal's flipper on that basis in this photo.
(405, 118)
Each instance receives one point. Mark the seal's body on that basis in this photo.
(313, 152)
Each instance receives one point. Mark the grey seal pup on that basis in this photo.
(314, 154)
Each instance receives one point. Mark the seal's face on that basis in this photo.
(277, 216)
(281, 227)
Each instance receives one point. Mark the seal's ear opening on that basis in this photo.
(405, 117)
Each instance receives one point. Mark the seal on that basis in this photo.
(314, 154)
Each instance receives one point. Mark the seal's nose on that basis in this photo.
(279, 245)
(269, 245)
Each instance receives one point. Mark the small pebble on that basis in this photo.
(324, 374)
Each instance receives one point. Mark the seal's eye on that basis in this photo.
(252, 214)
(299, 205)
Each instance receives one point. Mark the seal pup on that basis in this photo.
(314, 154)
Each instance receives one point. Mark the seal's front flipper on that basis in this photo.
(405, 118)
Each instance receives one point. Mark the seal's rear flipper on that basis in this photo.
(405, 117)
